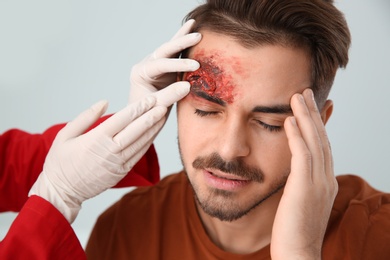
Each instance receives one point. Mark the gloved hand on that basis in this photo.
(80, 166)
(159, 69)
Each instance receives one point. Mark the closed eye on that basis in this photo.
(271, 128)
(202, 113)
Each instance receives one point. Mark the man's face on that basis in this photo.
(231, 137)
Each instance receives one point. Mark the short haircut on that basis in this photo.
(315, 25)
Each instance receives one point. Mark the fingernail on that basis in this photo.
(100, 105)
(196, 35)
(192, 65)
(183, 89)
(313, 99)
(311, 92)
(293, 120)
(191, 21)
(300, 98)
(312, 95)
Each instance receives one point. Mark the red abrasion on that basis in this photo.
(211, 79)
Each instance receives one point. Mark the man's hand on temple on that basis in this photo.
(303, 212)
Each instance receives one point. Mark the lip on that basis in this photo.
(224, 181)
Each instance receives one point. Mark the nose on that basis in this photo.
(233, 140)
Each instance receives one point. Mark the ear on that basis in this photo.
(326, 111)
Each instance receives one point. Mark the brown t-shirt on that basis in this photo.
(161, 222)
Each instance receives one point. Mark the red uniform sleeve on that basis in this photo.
(40, 231)
(21, 160)
(22, 156)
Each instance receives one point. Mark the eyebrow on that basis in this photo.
(276, 109)
(210, 98)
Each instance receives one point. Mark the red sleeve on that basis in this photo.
(40, 232)
(22, 156)
(145, 173)
(21, 160)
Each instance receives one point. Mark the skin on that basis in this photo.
(244, 210)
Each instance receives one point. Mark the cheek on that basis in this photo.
(273, 154)
(189, 130)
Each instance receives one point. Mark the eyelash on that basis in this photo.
(202, 113)
(271, 128)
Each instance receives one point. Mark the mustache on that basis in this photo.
(235, 167)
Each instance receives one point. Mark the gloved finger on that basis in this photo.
(175, 46)
(184, 29)
(154, 68)
(133, 160)
(137, 128)
(171, 94)
(124, 117)
(139, 148)
(83, 121)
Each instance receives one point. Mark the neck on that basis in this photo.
(246, 235)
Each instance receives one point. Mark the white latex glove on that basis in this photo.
(80, 166)
(159, 69)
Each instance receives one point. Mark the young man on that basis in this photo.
(258, 180)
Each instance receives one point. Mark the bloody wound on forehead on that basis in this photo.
(211, 79)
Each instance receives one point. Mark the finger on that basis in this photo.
(83, 121)
(309, 133)
(315, 115)
(299, 150)
(171, 94)
(137, 156)
(185, 29)
(154, 68)
(174, 47)
(124, 117)
(134, 150)
(138, 127)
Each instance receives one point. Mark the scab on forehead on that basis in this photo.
(211, 78)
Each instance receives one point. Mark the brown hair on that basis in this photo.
(315, 25)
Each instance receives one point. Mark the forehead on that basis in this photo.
(271, 73)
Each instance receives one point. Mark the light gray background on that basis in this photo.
(59, 57)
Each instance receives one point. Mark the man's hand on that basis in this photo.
(303, 213)
(81, 165)
(159, 69)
